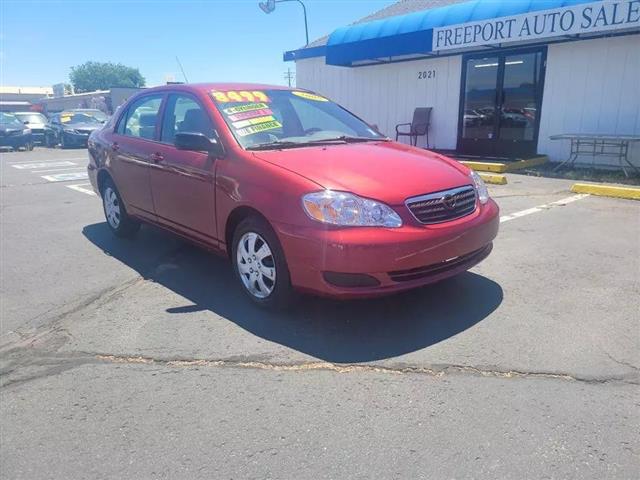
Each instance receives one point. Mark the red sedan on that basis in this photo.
(297, 191)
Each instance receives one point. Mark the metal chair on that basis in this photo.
(418, 127)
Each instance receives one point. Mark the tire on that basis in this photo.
(266, 280)
(29, 146)
(118, 220)
(63, 143)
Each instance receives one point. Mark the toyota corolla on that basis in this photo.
(298, 192)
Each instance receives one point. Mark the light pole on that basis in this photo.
(270, 5)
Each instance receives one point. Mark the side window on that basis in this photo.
(142, 117)
(184, 114)
(312, 117)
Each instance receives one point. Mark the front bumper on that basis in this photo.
(75, 139)
(399, 259)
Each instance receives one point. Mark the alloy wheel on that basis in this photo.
(112, 207)
(256, 265)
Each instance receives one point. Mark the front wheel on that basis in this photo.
(119, 222)
(260, 265)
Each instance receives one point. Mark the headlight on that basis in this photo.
(70, 130)
(481, 188)
(349, 210)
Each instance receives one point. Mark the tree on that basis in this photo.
(92, 76)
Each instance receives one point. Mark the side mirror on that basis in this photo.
(26, 122)
(198, 142)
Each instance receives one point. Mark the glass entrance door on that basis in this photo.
(501, 99)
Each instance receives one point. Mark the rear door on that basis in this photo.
(182, 182)
(132, 144)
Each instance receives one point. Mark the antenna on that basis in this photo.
(182, 70)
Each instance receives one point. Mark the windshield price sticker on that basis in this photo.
(245, 108)
(310, 96)
(239, 96)
(253, 121)
(66, 118)
(261, 127)
(245, 115)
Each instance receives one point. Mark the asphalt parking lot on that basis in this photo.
(142, 359)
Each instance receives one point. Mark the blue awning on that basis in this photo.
(411, 34)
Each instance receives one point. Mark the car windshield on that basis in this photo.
(8, 120)
(270, 119)
(73, 117)
(31, 117)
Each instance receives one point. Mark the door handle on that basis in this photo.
(156, 157)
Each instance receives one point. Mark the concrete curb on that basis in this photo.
(631, 193)
(493, 178)
(496, 167)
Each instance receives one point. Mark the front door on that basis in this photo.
(182, 182)
(500, 103)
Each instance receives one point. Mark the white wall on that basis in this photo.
(386, 95)
(592, 86)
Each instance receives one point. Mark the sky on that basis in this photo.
(216, 40)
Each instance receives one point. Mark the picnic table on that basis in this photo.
(599, 145)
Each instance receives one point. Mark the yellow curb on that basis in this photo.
(529, 162)
(630, 193)
(496, 167)
(486, 166)
(493, 178)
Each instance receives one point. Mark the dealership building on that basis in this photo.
(501, 77)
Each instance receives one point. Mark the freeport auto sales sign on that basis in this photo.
(584, 18)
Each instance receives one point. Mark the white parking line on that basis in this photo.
(31, 166)
(61, 169)
(66, 177)
(53, 160)
(540, 208)
(80, 187)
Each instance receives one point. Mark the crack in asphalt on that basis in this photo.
(50, 325)
(51, 364)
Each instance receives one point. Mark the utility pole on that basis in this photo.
(289, 75)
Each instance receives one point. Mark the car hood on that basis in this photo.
(83, 126)
(386, 171)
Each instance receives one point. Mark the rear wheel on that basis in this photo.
(260, 265)
(119, 222)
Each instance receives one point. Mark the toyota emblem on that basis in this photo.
(449, 201)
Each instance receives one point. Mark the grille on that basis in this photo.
(435, 269)
(443, 206)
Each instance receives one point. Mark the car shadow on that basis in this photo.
(333, 331)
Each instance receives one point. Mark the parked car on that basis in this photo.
(93, 112)
(14, 134)
(298, 192)
(70, 129)
(35, 122)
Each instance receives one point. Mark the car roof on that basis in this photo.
(207, 87)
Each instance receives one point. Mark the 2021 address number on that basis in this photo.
(426, 74)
